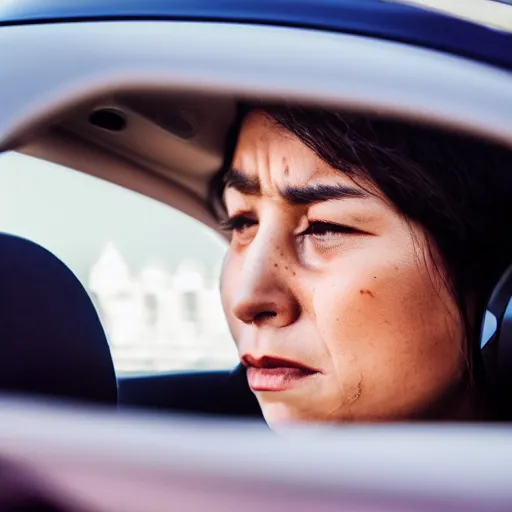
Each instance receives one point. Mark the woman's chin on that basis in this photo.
(280, 414)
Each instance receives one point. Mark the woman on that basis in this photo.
(362, 254)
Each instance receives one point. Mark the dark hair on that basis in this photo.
(457, 187)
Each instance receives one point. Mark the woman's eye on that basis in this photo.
(238, 223)
(320, 229)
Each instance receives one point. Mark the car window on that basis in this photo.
(151, 271)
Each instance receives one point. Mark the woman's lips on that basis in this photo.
(274, 374)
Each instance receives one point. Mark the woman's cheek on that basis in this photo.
(388, 334)
(346, 309)
(228, 281)
(361, 311)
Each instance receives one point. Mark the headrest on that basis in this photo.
(51, 340)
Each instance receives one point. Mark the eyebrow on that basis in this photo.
(294, 195)
(320, 193)
(240, 181)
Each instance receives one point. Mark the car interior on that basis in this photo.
(154, 143)
(164, 144)
(151, 113)
(133, 140)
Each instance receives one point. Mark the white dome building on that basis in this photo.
(117, 296)
(110, 274)
(189, 277)
(154, 279)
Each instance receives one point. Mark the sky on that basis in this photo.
(75, 215)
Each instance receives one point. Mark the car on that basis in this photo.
(142, 95)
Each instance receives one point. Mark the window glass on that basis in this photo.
(151, 271)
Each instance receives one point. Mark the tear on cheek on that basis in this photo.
(366, 291)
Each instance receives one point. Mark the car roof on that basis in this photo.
(409, 23)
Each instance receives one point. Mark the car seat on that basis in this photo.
(51, 339)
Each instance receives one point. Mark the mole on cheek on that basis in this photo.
(367, 292)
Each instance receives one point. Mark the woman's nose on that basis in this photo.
(264, 296)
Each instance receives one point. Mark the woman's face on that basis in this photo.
(335, 305)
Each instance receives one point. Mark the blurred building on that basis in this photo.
(157, 320)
